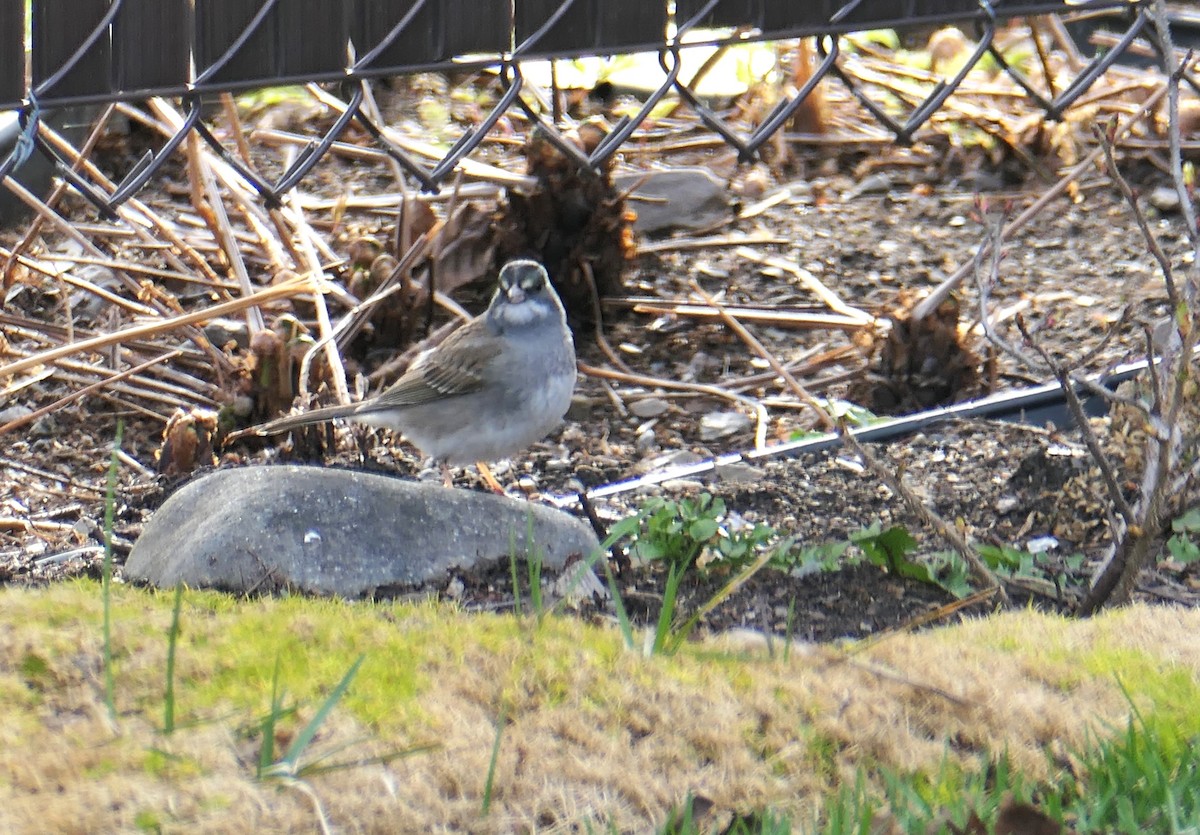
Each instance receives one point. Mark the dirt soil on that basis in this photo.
(1070, 273)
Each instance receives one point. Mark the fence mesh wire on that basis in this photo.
(92, 51)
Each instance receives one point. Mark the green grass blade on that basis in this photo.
(172, 644)
(310, 730)
(110, 501)
(490, 782)
(619, 606)
(266, 753)
(666, 615)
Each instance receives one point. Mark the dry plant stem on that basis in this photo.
(35, 227)
(376, 115)
(61, 224)
(352, 323)
(991, 245)
(1062, 374)
(760, 412)
(220, 362)
(1175, 70)
(895, 481)
(83, 284)
(270, 294)
(1117, 578)
(213, 211)
(712, 242)
(922, 619)
(129, 389)
(777, 318)
(194, 392)
(229, 107)
(324, 327)
(1085, 427)
(134, 464)
(1164, 263)
(114, 265)
(1065, 43)
(251, 214)
(165, 229)
(598, 321)
(168, 122)
(1047, 73)
(84, 392)
(879, 671)
(939, 294)
(761, 350)
(810, 281)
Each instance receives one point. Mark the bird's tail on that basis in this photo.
(287, 422)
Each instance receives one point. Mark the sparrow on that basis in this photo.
(496, 385)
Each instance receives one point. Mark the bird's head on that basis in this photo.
(524, 297)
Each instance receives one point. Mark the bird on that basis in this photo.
(494, 386)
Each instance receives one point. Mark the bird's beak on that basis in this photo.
(515, 294)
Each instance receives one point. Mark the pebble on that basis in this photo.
(13, 413)
(1006, 504)
(739, 472)
(221, 332)
(720, 424)
(581, 407)
(1165, 199)
(649, 407)
(871, 184)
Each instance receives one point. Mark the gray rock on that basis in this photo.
(336, 532)
(685, 197)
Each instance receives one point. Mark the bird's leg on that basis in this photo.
(447, 476)
(489, 479)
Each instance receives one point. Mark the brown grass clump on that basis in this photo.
(591, 732)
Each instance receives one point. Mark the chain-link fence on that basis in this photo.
(54, 55)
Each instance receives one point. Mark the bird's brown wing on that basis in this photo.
(454, 367)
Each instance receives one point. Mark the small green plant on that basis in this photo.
(1143, 780)
(695, 533)
(890, 549)
(824, 556)
(1182, 543)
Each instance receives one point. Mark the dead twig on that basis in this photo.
(760, 412)
(761, 350)
(280, 291)
(711, 242)
(810, 281)
(83, 392)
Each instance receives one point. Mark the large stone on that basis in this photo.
(337, 532)
(676, 198)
